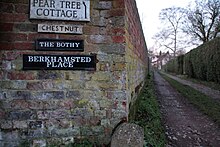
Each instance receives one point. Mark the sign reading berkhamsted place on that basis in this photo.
(59, 45)
(72, 10)
(59, 62)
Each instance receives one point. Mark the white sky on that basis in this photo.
(149, 14)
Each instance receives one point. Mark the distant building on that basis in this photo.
(159, 60)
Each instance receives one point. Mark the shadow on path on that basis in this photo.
(185, 125)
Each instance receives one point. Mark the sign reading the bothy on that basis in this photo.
(59, 62)
(59, 45)
(73, 10)
(67, 29)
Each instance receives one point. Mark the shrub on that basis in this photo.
(204, 62)
(201, 63)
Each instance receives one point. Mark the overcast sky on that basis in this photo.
(149, 12)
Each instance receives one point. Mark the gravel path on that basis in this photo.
(185, 125)
(215, 94)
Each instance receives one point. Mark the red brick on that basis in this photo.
(34, 86)
(19, 104)
(6, 7)
(89, 30)
(17, 45)
(36, 104)
(6, 17)
(39, 85)
(6, 46)
(117, 31)
(34, 36)
(116, 12)
(6, 27)
(20, 17)
(13, 37)
(24, 46)
(9, 17)
(67, 104)
(124, 104)
(118, 39)
(119, 3)
(21, 76)
(19, 37)
(21, 8)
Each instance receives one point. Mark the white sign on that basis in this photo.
(72, 10)
(52, 28)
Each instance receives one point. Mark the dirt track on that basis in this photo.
(185, 125)
(215, 94)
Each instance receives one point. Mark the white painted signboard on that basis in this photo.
(67, 29)
(71, 10)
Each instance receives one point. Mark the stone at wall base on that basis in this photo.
(128, 135)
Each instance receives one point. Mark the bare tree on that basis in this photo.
(170, 35)
(203, 20)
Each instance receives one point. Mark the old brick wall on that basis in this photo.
(136, 51)
(42, 107)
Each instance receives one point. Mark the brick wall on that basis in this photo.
(136, 50)
(64, 106)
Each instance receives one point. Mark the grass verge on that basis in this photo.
(147, 115)
(210, 84)
(204, 103)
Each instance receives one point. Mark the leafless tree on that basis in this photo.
(170, 36)
(203, 20)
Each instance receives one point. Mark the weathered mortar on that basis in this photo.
(55, 106)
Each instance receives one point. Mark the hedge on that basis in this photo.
(175, 65)
(201, 63)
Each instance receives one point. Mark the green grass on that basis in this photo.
(147, 115)
(204, 103)
(212, 85)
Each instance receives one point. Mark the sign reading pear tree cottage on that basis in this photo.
(72, 10)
